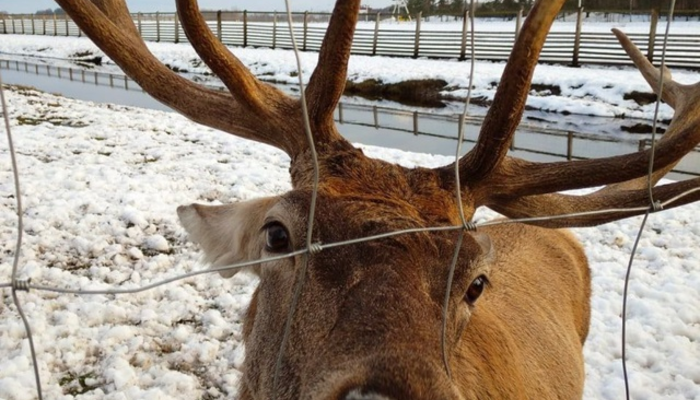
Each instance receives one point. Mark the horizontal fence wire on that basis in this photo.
(318, 247)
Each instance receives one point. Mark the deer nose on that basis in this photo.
(359, 394)
(406, 376)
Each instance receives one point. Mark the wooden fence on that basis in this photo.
(270, 30)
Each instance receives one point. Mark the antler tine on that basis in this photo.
(521, 178)
(519, 188)
(328, 80)
(651, 74)
(525, 189)
(508, 105)
(118, 13)
(522, 188)
(238, 79)
(517, 177)
(554, 204)
(109, 25)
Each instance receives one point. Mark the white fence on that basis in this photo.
(575, 47)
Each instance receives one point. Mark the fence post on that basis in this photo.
(4, 25)
(67, 29)
(306, 30)
(31, 16)
(416, 45)
(340, 113)
(415, 117)
(218, 26)
(642, 145)
(569, 145)
(177, 28)
(245, 28)
(55, 25)
(157, 26)
(274, 30)
(376, 35)
(43, 23)
(652, 34)
(21, 21)
(518, 21)
(577, 38)
(465, 30)
(138, 23)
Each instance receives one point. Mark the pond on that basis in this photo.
(541, 137)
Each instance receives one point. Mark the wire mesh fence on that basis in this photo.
(80, 379)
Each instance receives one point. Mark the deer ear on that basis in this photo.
(485, 244)
(229, 233)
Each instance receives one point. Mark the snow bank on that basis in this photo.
(100, 192)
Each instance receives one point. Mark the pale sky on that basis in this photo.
(30, 6)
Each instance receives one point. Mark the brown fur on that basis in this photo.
(369, 317)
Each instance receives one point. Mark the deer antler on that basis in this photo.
(681, 137)
(508, 105)
(253, 109)
(237, 78)
(519, 188)
(328, 80)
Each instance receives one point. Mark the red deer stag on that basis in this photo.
(368, 322)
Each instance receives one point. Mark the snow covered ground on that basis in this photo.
(101, 184)
(598, 91)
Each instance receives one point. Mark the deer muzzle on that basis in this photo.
(387, 377)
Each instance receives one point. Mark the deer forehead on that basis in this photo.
(384, 189)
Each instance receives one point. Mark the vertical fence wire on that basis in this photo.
(16, 284)
(458, 195)
(653, 205)
(312, 208)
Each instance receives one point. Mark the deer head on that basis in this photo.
(367, 321)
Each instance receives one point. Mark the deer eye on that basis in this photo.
(476, 288)
(276, 237)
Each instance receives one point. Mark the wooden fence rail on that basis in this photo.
(416, 40)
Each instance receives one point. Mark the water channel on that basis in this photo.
(541, 137)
